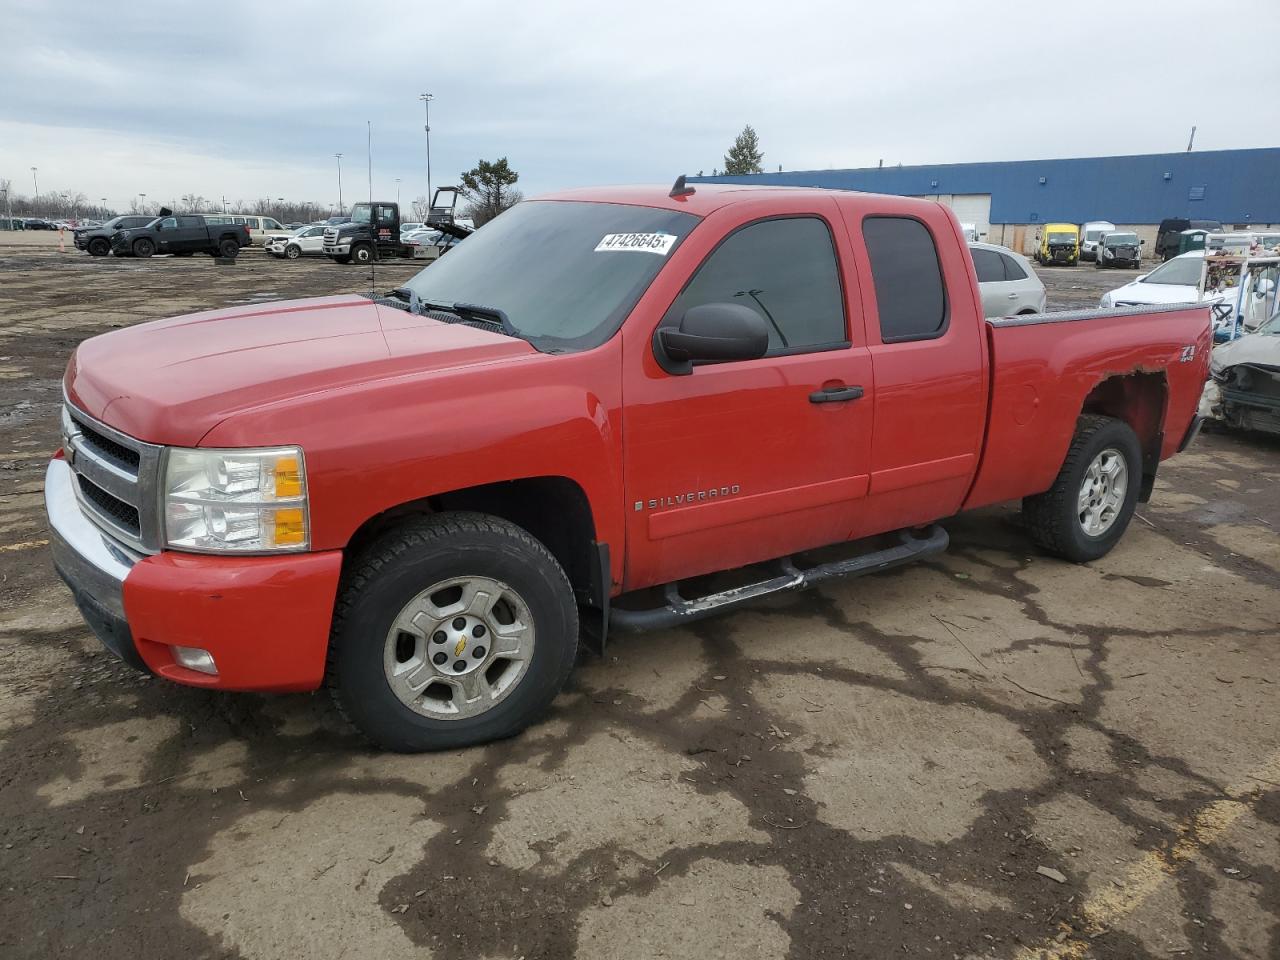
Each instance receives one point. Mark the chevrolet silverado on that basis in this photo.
(417, 499)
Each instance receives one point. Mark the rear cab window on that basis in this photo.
(910, 297)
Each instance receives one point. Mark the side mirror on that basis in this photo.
(1142, 243)
(709, 333)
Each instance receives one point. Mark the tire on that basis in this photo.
(99, 247)
(411, 570)
(292, 251)
(362, 253)
(144, 248)
(228, 248)
(1055, 518)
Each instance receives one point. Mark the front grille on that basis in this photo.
(117, 479)
(108, 449)
(330, 236)
(124, 516)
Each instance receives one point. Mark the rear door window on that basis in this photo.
(907, 276)
(1012, 268)
(989, 266)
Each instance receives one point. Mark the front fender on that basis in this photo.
(374, 446)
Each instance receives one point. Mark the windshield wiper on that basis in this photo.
(464, 311)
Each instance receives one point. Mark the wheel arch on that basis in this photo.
(554, 509)
(1141, 400)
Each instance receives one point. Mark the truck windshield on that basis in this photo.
(360, 213)
(1062, 238)
(566, 273)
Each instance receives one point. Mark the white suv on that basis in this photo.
(307, 242)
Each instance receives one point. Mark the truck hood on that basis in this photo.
(172, 381)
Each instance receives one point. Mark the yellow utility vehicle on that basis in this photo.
(1059, 243)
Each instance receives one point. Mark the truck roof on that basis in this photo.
(709, 197)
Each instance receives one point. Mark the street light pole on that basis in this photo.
(426, 99)
(36, 181)
(397, 191)
(340, 206)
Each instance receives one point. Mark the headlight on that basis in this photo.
(236, 501)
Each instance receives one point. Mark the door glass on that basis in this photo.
(987, 264)
(908, 279)
(168, 223)
(784, 270)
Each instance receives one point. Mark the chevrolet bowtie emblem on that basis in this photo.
(462, 645)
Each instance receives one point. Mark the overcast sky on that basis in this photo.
(252, 99)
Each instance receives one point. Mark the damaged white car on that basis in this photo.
(1244, 386)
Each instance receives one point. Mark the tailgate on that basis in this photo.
(1044, 367)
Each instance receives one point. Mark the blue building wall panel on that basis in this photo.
(1233, 186)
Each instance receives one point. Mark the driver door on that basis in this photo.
(749, 460)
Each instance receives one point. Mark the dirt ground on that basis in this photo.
(989, 754)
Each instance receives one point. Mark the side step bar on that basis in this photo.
(679, 610)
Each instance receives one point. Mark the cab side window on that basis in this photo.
(785, 270)
(190, 223)
(910, 297)
(386, 215)
(169, 223)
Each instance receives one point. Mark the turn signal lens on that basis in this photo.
(290, 528)
(288, 477)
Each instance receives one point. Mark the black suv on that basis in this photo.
(181, 235)
(97, 240)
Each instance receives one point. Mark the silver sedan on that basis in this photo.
(1008, 283)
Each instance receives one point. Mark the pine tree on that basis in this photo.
(744, 156)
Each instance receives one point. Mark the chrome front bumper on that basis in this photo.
(91, 563)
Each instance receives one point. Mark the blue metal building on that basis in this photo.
(1232, 186)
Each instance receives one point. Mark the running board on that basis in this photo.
(679, 610)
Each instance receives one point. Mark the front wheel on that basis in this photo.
(451, 630)
(228, 248)
(143, 248)
(99, 247)
(293, 251)
(362, 253)
(1086, 511)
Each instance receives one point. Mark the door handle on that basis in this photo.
(835, 395)
(1013, 296)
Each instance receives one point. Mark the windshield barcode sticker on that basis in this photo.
(659, 243)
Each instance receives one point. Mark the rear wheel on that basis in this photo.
(99, 247)
(143, 247)
(452, 630)
(228, 248)
(1086, 511)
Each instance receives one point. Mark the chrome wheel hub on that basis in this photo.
(1102, 492)
(459, 647)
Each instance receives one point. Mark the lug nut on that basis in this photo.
(459, 623)
(478, 652)
(439, 636)
(439, 658)
(460, 665)
(478, 632)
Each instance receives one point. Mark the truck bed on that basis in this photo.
(1146, 364)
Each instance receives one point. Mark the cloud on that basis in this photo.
(250, 100)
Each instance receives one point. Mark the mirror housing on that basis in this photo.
(711, 333)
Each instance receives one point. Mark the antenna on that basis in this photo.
(1193, 138)
(679, 189)
(373, 227)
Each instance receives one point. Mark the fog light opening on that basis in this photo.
(193, 658)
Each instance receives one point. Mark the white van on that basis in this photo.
(259, 227)
(1090, 236)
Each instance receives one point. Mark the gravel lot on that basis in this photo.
(878, 768)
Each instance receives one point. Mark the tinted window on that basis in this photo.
(168, 223)
(989, 266)
(270, 224)
(190, 222)
(1012, 268)
(908, 278)
(784, 270)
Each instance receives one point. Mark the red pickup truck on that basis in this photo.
(600, 399)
